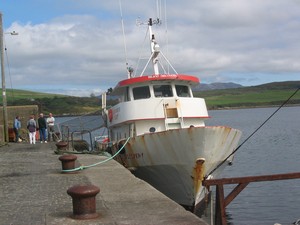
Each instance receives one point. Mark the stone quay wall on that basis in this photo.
(23, 112)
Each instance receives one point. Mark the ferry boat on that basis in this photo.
(162, 127)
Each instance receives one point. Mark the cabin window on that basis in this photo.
(162, 91)
(141, 92)
(182, 91)
(121, 95)
(127, 96)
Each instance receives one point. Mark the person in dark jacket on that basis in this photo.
(17, 127)
(42, 128)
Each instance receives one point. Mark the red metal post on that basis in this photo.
(222, 202)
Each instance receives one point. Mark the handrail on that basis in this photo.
(82, 132)
(95, 164)
(242, 182)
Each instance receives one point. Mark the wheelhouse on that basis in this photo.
(155, 104)
(159, 90)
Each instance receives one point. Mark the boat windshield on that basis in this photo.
(182, 91)
(141, 92)
(162, 90)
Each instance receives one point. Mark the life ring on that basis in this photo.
(110, 115)
(105, 140)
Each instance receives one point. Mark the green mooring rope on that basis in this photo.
(98, 163)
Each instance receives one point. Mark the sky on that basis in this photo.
(79, 47)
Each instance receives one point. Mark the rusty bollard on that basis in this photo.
(68, 161)
(62, 145)
(84, 201)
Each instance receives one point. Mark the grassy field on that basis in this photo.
(251, 96)
(14, 95)
(55, 103)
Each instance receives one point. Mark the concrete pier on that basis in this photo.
(34, 191)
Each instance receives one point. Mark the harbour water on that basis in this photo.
(85, 127)
(273, 149)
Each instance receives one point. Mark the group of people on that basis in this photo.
(42, 125)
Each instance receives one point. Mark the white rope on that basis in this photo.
(158, 8)
(124, 39)
(166, 33)
(140, 53)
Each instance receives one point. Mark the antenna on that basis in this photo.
(156, 53)
(158, 8)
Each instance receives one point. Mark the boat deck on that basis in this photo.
(34, 191)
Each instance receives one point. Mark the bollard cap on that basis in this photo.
(83, 191)
(67, 157)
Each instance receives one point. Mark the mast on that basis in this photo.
(155, 51)
(154, 47)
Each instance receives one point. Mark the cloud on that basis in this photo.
(81, 50)
(62, 52)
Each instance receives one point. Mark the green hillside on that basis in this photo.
(271, 94)
(55, 103)
(15, 95)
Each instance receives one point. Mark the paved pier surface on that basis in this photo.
(34, 191)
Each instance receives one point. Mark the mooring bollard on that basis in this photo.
(68, 161)
(61, 145)
(84, 201)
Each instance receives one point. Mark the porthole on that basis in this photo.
(152, 129)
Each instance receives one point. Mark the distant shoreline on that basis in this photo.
(209, 109)
(253, 107)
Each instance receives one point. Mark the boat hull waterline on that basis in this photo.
(175, 161)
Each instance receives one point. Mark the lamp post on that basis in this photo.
(4, 101)
(5, 122)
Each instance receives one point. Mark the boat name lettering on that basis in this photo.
(116, 112)
(162, 75)
(134, 155)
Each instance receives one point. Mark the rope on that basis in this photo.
(98, 163)
(166, 34)
(124, 38)
(8, 66)
(217, 167)
(140, 52)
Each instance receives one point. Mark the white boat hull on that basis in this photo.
(168, 160)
